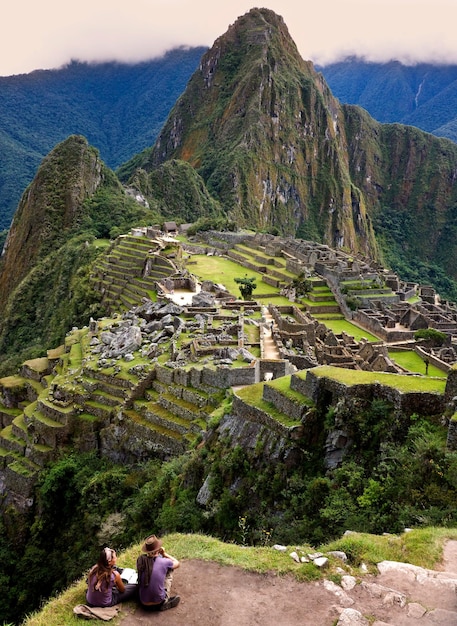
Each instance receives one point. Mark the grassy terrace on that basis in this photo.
(283, 385)
(12, 382)
(38, 365)
(319, 303)
(403, 383)
(341, 325)
(253, 395)
(224, 271)
(413, 362)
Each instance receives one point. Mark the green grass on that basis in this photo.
(253, 395)
(404, 383)
(276, 300)
(38, 365)
(412, 362)
(314, 305)
(224, 271)
(12, 382)
(422, 547)
(341, 325)
(283, 386)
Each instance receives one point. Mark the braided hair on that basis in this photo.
(144, 566)
(102, 570)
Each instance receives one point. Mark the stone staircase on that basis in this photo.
(321, 301)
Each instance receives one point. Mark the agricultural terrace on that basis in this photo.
(403, 383)
(224, 271)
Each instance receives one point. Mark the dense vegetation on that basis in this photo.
(421, 95)
(119, 107)
(398, 474)
(59, 234)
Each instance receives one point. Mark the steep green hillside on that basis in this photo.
(119, 107)
(66, 216)
(175, 189)
(421, 95)
(267, 136)
(44, 272)
(408, 178)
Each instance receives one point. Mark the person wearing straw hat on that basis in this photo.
(155, 575)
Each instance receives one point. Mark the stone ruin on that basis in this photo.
(306, 342)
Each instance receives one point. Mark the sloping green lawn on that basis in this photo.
(224, 271)
(411, 361)
(339, 326)
(402, 382)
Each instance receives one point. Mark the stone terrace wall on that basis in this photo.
(317, 388)
(373, 325)
(253, 414)
(218, 378)
(289, 407)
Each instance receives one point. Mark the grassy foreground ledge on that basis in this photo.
(422, 547)
(401, 382)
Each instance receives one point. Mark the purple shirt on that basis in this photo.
(155, 591)
(104, 596)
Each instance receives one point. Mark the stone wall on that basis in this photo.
(316, 388)
(271, 366)
(373, 325)
(289, 407)
(253, 414)
(451, 384)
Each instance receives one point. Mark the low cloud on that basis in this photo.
(50, 33)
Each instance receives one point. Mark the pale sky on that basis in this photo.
(42, 34)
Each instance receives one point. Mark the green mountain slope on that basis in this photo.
(65, 219)
(119, 107)
(44, 270)
(267, 137)
(421, 95)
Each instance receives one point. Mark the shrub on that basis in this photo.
(432, 336)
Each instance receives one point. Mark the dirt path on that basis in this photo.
(214, 595)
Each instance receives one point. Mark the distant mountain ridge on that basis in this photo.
(122, 107)
(422, 95)
(118, 107)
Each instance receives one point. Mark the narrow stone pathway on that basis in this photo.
(270, 350)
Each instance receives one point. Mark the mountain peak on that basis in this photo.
(50, 207)
(260, 125)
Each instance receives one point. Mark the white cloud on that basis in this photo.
(49, 33)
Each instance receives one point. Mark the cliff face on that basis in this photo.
(50, 208)
(408, 179)
(267, 136)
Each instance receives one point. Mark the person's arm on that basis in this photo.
(119, 582)
(172, 558)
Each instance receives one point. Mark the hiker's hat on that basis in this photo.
(151, 544)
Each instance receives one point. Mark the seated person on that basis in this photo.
(155, 575)
(105, 586)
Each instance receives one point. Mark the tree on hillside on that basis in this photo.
(246, 286)
(302, 285)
